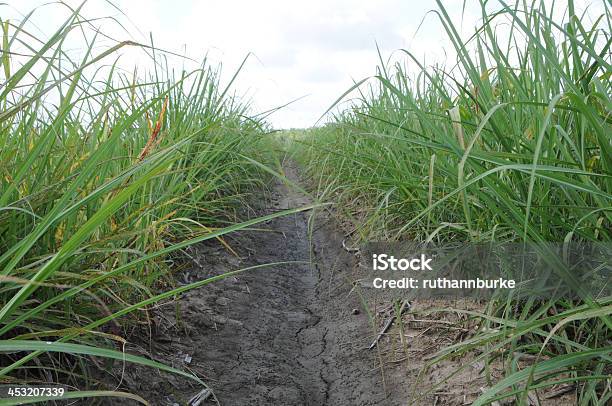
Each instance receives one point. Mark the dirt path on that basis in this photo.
(283, 335)
(290, 335)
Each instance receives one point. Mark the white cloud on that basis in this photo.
(315, 48)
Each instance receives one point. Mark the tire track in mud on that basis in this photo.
(283, 335)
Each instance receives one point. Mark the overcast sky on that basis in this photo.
(312, 49)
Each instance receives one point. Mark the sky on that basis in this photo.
(309, 51)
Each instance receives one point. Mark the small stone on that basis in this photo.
(355, 311)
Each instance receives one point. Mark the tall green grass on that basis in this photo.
(103, 177)
(513, 143)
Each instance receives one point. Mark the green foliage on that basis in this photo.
(102, 176)
(512, 144)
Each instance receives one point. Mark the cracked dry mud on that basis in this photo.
(281, 335)
(287, 335)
